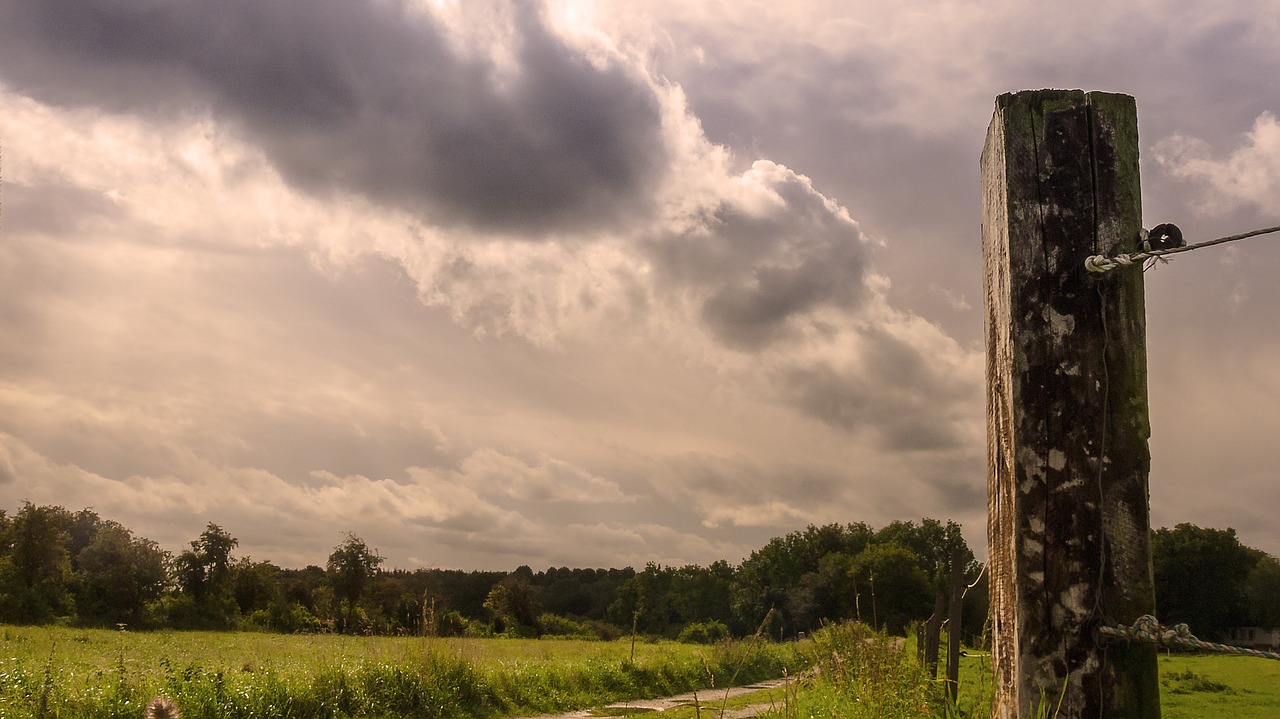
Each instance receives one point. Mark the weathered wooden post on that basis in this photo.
(933, 631)
(955, 615)
(1067, 423)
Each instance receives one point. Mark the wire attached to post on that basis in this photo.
(1102, 263)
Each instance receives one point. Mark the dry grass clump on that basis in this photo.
(161, 708)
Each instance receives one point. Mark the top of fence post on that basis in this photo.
(1067, 422)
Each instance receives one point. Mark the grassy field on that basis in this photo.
(864, 677)
(1192, 686)
(1219, 686)
(73, 673)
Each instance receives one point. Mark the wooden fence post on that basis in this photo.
(933, 630)
(955, 617)
(1067, 422)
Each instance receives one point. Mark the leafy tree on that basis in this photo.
(702, 594)
(204, 577)
(1200, 577)
(395, 604)
(1262, 593)
(456, 590)
(932, 542)
(254, 585)
(766, 579)
(644, 601)
(35, 566)
(934, 545)
(891, 577)
(827, 594)
(578, 592)
(82, 528)
(302, 587)
(513, 603)
(204, 570)
(36, 543)
(350, 568)
(118, 575)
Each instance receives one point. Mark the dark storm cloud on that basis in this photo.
(750, 313)
(852, 402)
(364, 96)
(762, 269)
(741, 481)
(894, 389)
(893, 127)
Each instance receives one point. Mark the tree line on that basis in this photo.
(78, 568)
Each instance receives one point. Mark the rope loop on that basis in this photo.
(1168, 235)
(1148, 630)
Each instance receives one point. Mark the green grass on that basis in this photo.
(861, 678)
(1192, 686)
(73, 673)
(861, 674)
(1219, 685)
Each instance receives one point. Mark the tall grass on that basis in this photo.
(859, 673)
(48, 672)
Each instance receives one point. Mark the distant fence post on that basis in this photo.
(955, 617)
(1067, 422)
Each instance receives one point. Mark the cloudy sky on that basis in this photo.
(585, 283)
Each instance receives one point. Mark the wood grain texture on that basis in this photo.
(1067, 420)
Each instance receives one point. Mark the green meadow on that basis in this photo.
(104, 674)
(74, 673)
(861, 675)
(1219, 685)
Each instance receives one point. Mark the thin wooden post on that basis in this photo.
(1067, 423)
(955, 615)
(933, 631)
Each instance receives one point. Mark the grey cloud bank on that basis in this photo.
(365, 97)
(473, 280)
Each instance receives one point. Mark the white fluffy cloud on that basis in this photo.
(1248, 175)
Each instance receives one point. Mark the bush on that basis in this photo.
(289, 617)
(558, 626)
(704, 633)
(451, 624)
(604, 630)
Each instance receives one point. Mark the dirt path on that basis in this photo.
(710, 699)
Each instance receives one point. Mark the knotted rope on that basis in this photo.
(1102, 263)
(1150, 631)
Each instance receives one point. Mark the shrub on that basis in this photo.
(704, 633)
(558, 626)
(290, 617)
(451, 624)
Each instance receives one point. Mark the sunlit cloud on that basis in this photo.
(496, 283)
(1249, 175)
